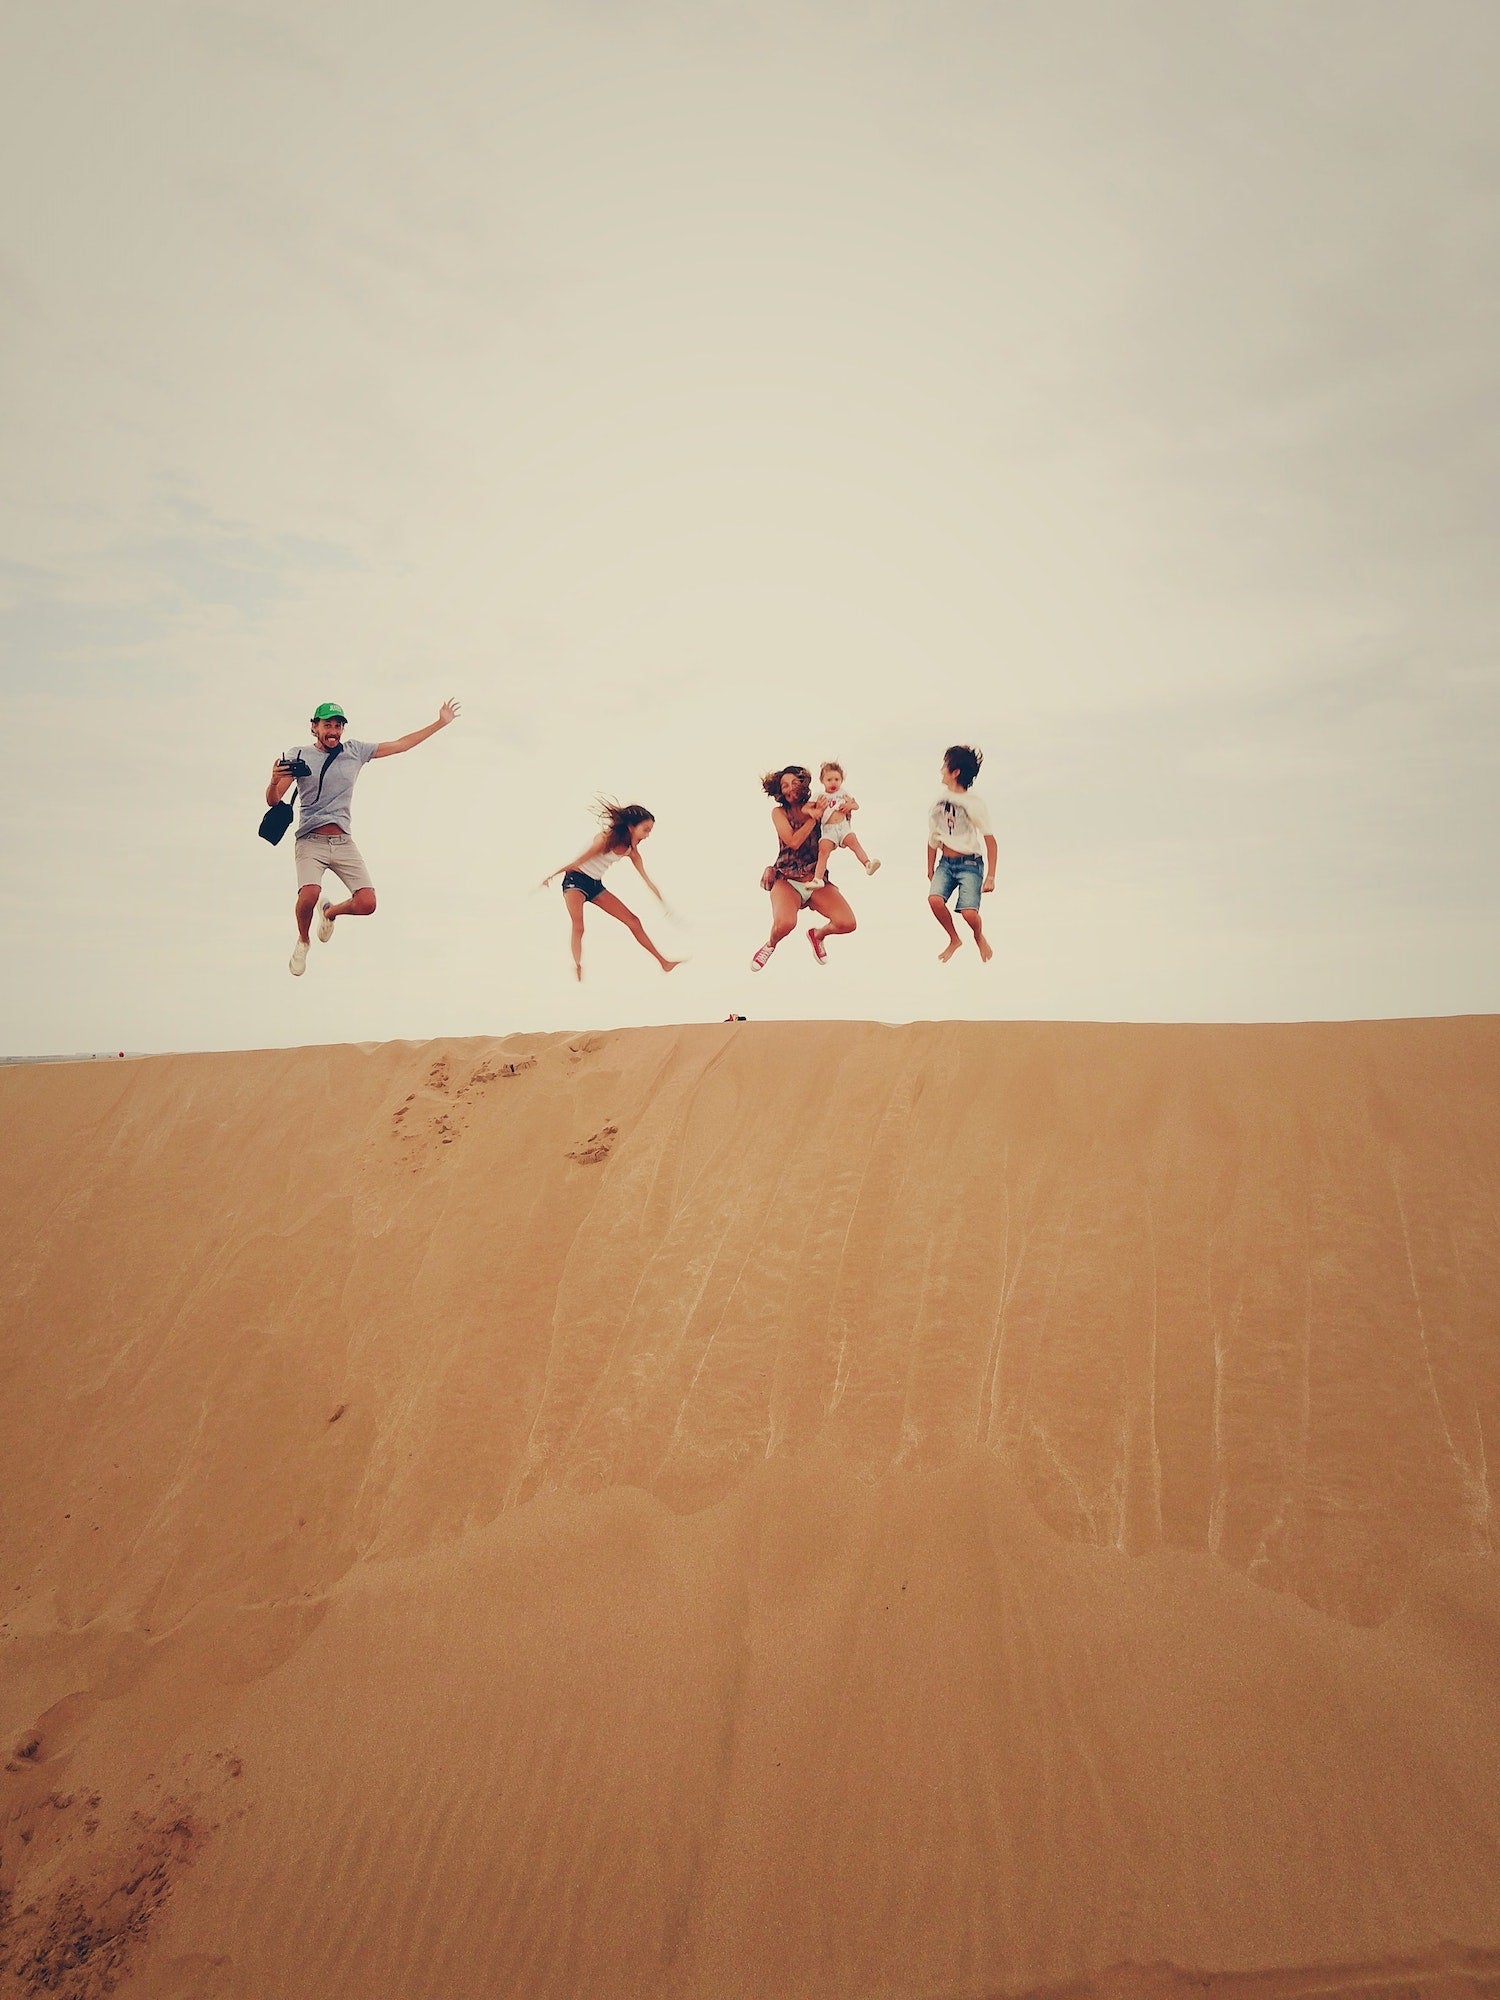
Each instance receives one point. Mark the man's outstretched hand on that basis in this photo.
(446, 714)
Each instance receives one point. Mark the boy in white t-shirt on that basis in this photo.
(836, 831)
(958, 832)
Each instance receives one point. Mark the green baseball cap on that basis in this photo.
(329, 711)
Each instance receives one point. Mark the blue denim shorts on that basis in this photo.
(964, 872)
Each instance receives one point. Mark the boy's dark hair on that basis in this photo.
(618, 820)
(771, 782)
(964, 763)
(830, 764)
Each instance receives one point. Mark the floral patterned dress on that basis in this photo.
(797, 864)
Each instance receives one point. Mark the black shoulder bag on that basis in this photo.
(278, 818)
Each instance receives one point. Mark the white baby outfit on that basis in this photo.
(836, 827)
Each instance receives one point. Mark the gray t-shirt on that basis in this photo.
(330, 805)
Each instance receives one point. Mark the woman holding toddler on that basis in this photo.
(797, 818)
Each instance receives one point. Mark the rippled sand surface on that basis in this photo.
(768, 1511)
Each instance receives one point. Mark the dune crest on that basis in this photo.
(762, 1509)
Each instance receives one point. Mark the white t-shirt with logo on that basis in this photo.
(960, 820)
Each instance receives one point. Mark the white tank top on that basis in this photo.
(598, 863)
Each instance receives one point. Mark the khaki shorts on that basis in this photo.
(331, 850)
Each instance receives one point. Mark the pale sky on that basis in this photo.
(697, 388)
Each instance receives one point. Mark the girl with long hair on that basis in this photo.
(797, 818)
(624, 828)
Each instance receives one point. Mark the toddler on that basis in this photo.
(836, 830)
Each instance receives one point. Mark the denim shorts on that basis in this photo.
(590, 885)
(964, 872)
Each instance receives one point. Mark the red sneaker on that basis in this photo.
(815, 939)
(762, 958)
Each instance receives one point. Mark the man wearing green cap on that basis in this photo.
(324, 772)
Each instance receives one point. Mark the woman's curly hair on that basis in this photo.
(618, 820)
(771, 783)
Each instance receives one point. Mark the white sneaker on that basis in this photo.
(325, 925)
(297, 964)
(871, 866)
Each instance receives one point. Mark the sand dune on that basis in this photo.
(787, 1511)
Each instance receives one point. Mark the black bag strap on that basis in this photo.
(336, 751)
(296, 791)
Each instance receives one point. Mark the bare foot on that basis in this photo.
(671, 964)
(578, 972)
(986, 949)
(948, 950)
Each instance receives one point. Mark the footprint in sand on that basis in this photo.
(84, 1934)
(53, 1734)
(442, 1126)
(597, 1147)
(512, 1066)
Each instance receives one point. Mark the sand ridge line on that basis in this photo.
(1449, 1973)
